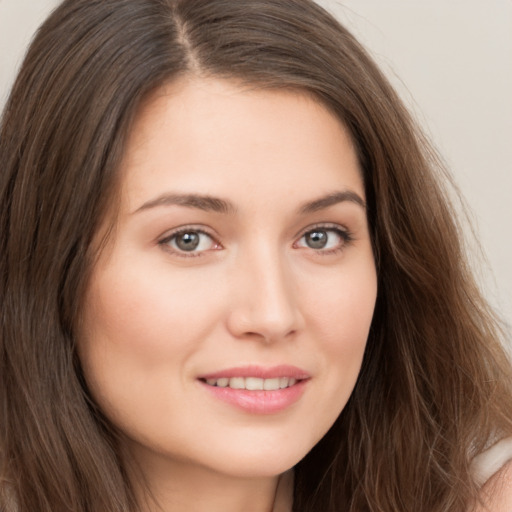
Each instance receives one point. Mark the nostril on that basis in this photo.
(268, 315)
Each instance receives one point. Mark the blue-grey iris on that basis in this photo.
(187, 241)
(316, 239)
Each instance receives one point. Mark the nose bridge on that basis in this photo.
(264, 302)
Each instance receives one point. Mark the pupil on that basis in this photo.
(188, 241)
(316, 239)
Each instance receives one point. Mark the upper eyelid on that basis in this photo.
(163, 242)
(326, 226)
(211, 233)
(184, 229)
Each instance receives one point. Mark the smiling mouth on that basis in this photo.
(258, 390)
(253, 383)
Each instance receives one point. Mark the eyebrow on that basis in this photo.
(332, 199)
(200, 202)
(217, 205)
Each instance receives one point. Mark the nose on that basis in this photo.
(264, 302)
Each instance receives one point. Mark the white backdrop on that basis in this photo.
(451, 62)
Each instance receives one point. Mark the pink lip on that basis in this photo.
(260, 372)
(259, 402)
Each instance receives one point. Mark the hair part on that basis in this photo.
(435, 384)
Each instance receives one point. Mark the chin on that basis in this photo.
(259, 463)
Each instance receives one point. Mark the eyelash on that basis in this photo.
(345, 236)
(182, 231)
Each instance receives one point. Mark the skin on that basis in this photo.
(496, 495)
(255, 292)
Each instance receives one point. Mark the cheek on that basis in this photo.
(145, 313)
(139, 334)
(343, 308)
(341, 317)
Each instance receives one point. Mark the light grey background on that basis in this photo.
(451, 62)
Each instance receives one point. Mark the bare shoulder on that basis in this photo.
(497, 492)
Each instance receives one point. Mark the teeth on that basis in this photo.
(222, 383)
(253, 383)
(271, 384)
(237, 383)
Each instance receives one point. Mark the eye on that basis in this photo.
(191, 241)
(325, 239)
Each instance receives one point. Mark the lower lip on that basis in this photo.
(259, 402)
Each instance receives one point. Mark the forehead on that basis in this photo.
(220, 138)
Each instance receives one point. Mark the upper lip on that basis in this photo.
(261, 372)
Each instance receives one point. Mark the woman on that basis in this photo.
(226, 253)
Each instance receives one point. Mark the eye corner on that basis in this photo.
(326, 239)
(196, 242)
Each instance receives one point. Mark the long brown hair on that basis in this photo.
(435, 386)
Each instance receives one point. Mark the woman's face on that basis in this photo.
(225, 325)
